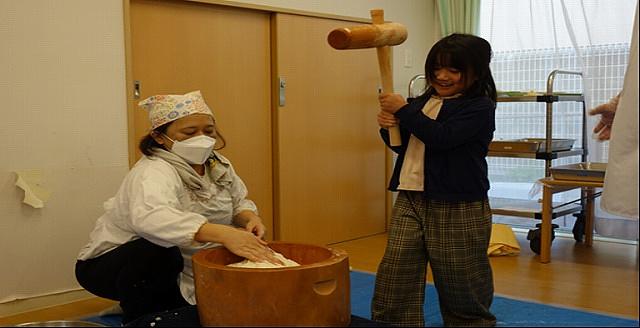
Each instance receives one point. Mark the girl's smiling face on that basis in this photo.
(459, 64)
(448, 81)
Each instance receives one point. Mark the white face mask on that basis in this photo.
(194, 150)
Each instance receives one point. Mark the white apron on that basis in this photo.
(620, 193)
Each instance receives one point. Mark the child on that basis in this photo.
(441, 216)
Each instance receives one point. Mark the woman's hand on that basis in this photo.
(238, 241)
(391, 102)
(607, 113)
(386, 120)
(249, 246)
(251, 222)
(256, 227)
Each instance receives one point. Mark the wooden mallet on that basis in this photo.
(380, 35)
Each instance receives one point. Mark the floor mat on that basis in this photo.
(509, 312)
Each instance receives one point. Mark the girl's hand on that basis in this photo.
(391, 102)
(386, 120)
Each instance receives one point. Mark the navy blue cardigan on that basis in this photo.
(456, 146)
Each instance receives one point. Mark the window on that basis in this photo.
(532, 38)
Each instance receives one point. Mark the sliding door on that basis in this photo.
(330, 159)
(180, 46)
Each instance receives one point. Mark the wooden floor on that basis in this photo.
(602, 278)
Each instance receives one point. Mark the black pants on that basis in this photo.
(141, 275)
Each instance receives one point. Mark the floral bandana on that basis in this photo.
(167, 108)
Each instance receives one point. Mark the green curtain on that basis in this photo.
(459, 16)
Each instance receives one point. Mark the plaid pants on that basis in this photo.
(452, 237)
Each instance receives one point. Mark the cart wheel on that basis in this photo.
(534, 237)
(578, 227)
(534, 240)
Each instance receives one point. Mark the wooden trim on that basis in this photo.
(19, 306)
(275, 165)
(131, 106)
(60, 309)
(282, 10)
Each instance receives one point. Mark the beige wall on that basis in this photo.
(62, 76)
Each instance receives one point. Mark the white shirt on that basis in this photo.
(153, 203)
(412, 172)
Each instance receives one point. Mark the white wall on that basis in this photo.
(63, 107)
(63, 116)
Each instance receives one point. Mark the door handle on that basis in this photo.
(136, 89)
(281, 90)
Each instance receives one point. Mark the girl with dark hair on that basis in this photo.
(441, 216)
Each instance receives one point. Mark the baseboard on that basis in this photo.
(41, 302)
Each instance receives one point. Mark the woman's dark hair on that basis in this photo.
(147, 144)
(469, 54)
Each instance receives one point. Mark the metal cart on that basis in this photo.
(546, 149)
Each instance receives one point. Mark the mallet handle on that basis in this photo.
(384, 63)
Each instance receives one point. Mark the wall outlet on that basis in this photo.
(408, 58)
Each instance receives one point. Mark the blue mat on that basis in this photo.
(509, 312)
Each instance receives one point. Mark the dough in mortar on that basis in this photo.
(262, 265)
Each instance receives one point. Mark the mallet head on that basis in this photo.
(367, 36)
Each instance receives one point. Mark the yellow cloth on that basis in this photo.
(503, 241)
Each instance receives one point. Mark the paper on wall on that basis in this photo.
(31, 182)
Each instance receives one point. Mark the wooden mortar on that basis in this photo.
(314, 294)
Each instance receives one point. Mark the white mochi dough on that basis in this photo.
(263, 265)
